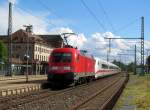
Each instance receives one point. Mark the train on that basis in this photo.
(69, 65)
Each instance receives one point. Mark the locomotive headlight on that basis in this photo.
(54, 68)
(67, 68)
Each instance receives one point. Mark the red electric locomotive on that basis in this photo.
(69, 65)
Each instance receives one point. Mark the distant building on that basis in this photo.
(40, 47)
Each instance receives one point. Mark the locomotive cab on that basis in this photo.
(61, 66)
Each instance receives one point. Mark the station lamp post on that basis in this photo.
(26, 56)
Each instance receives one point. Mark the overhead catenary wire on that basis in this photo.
(30, 13)
(107, 16)
(111, 24)
(49, 9)
(127, 25)
(56, 15)
(93, 15)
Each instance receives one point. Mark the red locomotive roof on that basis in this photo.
(72, 50)
(65, 50)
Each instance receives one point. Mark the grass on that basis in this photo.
(136, 93)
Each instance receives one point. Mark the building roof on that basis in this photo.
(21, 36)
(53, 40)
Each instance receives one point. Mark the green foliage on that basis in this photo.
(136, 93)
(3, 53)
(130, 67)
(124, 67)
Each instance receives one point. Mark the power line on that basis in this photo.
(111, 24)
(19, 8)
(107, 17)
(127, 25)
(56, 15)
(93, 15)
(49, 10)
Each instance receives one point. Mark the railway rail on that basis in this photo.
(60, 99)
(13, 101)
(103, 99)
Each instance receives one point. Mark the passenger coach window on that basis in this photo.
(104, 66)
(61, 57)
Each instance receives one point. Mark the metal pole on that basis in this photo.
(135, 62)
(107, 56)
(109, 50)
(142, 43)
(28, 30)
(147, 63)
(120, 61)
(142, 46)
(10, 40)
(27, 79)
(19, 66)
(109, 45)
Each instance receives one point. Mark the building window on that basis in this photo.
(38, 57)
(14, 47)
(46, 58)
(35, 48)
(41, 49)
(17, 55)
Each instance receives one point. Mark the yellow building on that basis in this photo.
(36, 47)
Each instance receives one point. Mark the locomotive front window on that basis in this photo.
(61, 57)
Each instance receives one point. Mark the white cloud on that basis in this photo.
(147, 44)
(75, 40)
(96, 43)
(61, 30)
(21, 18)
(3, 20)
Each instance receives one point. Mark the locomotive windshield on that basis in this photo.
(61, 57)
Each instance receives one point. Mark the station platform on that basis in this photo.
(17, 84)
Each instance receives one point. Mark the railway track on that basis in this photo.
(14, 101)
(101, 99)
(57, 99)
(21, 96)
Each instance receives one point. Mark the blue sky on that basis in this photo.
(48, 16)
(75, 15)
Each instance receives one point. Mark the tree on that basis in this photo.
(120, 64)
(131, 67)
(125, 67)
(3, 53)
